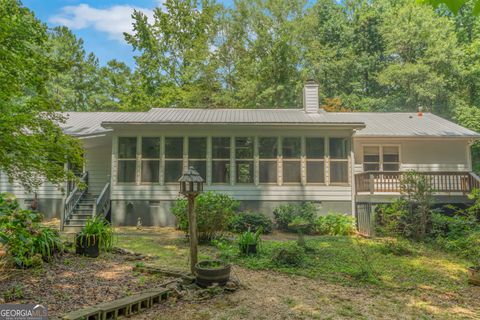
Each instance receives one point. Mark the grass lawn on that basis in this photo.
(330, 284)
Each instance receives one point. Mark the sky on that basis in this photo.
(99, 23)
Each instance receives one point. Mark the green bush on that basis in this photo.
(393, 219)
(214, 212)
(452, 227)
(26, 241)
(252, 221)
(286, 213)
(98, 229)
(334, 225)
(291, 254)
(467, 246)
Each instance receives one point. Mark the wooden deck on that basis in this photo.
(389, 182)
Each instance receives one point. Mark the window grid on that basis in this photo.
(289, 162)
(127, 158)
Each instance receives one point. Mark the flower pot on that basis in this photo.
(207, 275)
(474, 276)
(249, 249)
(86, 245)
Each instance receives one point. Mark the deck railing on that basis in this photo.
(75, 195)
(102, 203)
(440, 181)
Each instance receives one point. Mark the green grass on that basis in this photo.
(355, 261)
(342, 260)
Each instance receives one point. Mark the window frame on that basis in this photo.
(165, 159)
(159, 159)
(274, 160)
(134, 182)
(323, 160)
(298, 160)
(381, 162)
(213, 159)
(339, 160)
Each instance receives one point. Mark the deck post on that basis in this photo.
(371, 184)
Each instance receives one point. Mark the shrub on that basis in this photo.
(334, 225)
(455, 226)
(27, 243)
(289, 255)
(214, 212)
(98, 229)
(467, 246)
(247, 239)
(248, 220)
(286, 213)
(393, 219)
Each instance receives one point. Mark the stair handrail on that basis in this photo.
(101, 205)
(74, 197)
(474, 181)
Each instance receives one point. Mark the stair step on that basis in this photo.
(77, 217)
(83, 211)
(76, 223)
(84, 206)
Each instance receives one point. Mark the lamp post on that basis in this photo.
(191, 185)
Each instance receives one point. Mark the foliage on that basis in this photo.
(453, 5)
(246, 220)
(334, 225)
(33, 148)
(291, 254)
(247, 239)
(286, 213)
(397, 247)
(466, 246)
(27, 243)
(393, 219)
(214, 212)
(98, 229)
(474, 209)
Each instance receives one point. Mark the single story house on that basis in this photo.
(262, 157)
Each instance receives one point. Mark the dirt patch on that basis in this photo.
(72, 282)
(269, 295)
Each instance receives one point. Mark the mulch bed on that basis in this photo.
(71, 282)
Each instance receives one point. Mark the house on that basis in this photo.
(344, 162)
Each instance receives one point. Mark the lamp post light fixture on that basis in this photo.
(191, 185)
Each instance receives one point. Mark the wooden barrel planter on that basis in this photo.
(474, 275)
(209, 272)
(87, 245)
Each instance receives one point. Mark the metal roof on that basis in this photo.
(377, 124)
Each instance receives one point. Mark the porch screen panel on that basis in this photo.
(244, 159)
(292, 152)
(391, 158)
(127, 161)
(338, 160)
(197, 155)
(173, 159)
(220, 160)
(267, 153)
(371, 158)
(150, 160)
(315, 152)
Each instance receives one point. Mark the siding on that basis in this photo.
(239, 192)
(97, 163)
(422, 154)
(45, 191)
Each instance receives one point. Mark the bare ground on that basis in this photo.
(72, 282)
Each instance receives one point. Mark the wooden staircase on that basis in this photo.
(80, 205)
(80, 214)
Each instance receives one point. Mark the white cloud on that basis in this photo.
(114, 20)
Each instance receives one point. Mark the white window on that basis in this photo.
(197, 155)
(150, 159)
(127, 162)
(173, 159)
(381, 158)
(338, 160)
(221, 160)
(244, 159)
(315, 152)
(291, 152)
(267, 153)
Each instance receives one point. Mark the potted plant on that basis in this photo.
(96, 236)
(248, 241)
(474, 274)
(209, 272)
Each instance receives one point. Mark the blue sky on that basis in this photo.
(100, 23)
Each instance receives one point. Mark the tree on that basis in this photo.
(33, 147)
(454, 5)
(177, 64)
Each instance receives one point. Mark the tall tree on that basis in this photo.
(177, 64)
(32, 146)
